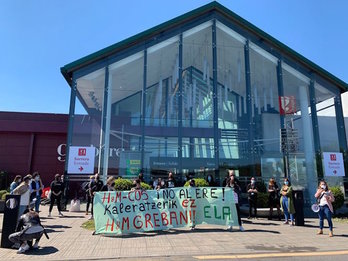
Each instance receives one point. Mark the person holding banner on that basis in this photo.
(325, 199)
(171, 183)
(236, 192)
(96, 186)
(110, 184)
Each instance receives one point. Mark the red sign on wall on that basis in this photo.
(82, 152)
(333, 157)
(287, 105)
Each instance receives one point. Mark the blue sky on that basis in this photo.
(38, 37)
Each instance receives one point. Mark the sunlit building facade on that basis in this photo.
(200, 94)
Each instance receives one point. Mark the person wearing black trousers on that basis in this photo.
(252, 197)
(88, 194)
(95, 187)
(232, 183)
(57, 188)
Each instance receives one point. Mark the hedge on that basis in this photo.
(339, 197)
(127, 184)
(199, 183)
(3, 192)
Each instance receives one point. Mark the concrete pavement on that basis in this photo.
(68, 241)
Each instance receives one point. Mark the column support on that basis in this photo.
(143, 114)
(180, 109)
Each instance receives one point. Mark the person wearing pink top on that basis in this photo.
(325, 199)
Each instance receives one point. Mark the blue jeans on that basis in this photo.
(285, 205)
(325, 211)
(37, 203)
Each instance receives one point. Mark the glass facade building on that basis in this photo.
(200, 94)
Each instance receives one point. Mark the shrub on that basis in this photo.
(261, 187)
(127, 184)
(2, 192)
(3, 197)
(339, 197)
(199, 183)
(262, 200)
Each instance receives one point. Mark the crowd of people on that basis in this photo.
(30, 189)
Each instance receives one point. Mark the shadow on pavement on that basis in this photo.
(262, 230)
(56, 226)
(42, 251)
(260, 223)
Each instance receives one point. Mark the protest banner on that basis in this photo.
(123, 212)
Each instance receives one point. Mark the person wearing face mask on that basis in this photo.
(23, 190)
(57, 188)
(210, 180)
(17, 180)
(325, 198)
(36, 187)
(252, 197)
(96, 186)
(110, 184)
(232, 183)
(286, 202)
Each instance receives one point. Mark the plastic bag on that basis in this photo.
(74, 205)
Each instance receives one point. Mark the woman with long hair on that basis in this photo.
(286, 202)
(325, 198)
(273, 198)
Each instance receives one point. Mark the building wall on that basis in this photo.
(29, 142)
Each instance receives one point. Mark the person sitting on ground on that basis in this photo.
(17, 180)
(273, 198)
(29, 228)
(171, 183)
(252, 197)
(325, 198)
(57, 188)
(236, 193)
(286, 202)
(110, 184)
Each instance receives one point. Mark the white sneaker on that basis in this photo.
(49, 214)
(91, 218)
(241, 228)
(36, 245)
(193, 227)
(22, 249)
(61, 214)
(229, 228)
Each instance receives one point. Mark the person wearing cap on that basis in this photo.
(23, 190)
(36, 187)
(57, 188)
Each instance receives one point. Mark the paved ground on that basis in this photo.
(262, 239)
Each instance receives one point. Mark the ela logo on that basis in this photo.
(82, 152)
(333, 157)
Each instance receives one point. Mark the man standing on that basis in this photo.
(252, 197)
(95, 186)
